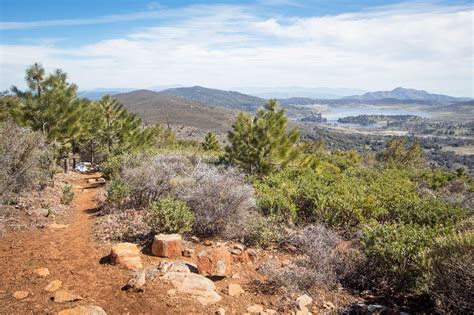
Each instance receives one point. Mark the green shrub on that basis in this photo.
(394, 254)
(111, 167)
(349, 199)
(67, 195)
(275, 196)
(450, 264)
(117, 191)
(170, 215)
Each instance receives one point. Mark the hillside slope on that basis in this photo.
(214, 97)
(156, 107)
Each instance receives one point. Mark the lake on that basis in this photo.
(333, 113)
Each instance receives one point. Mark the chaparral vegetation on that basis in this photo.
(382, 223)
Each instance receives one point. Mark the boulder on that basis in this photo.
(214, 262)
(62, 296)
(234, 289)
(126, 255)
(84, 310)
(167, 245)
(19, 295)
(53, 286)
(197, 286)
(42, 272)
(220, 311)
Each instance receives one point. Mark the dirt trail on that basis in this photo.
(73, 257)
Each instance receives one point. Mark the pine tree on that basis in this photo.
(396, 152)
(121, 130)
(262, 144)
(211, 143)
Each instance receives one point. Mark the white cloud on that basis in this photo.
(421, 46)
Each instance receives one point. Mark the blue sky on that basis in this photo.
(370, 45)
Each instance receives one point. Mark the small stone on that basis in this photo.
(242, 258)
(42, 272)
(167, 245)
(208, 243)
(55, 226)
(255, 309)
(328, 305)
(220, 311)
(304, 301)
(270, 312)
(252, 254)
(285, 262)
(84, 310)
(234, 289)
(62, 296)
(239, 247)
(236, 251)
(126, 255)
(19, 295)
(188, 252)
(235, 276)
(195, 239)
(171, 292)
(53, 286)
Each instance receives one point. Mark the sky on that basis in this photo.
(366, 44)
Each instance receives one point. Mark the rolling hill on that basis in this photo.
(214, 97)
(157, 107)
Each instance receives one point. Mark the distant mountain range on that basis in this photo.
(244, 102)
(403, 94)
(297, 91)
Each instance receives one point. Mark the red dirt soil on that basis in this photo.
(73, 256)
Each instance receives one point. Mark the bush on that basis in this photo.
(253, 229)
(324, 260)
(350, 199)
(111, 167)
(451, 268)
(216, 196)
(152, 177)
(170, 215)
(22, 152)
(117, 191)
(67, 195)
(394, 254)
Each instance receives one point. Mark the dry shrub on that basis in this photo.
(152, 177)
(253, 229)
(217, 196)
(123, 226)
(21, 153)
(325, 260)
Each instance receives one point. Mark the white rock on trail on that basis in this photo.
(197, 286)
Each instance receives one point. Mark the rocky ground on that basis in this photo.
(60, 268)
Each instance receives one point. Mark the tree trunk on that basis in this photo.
(65, 165)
